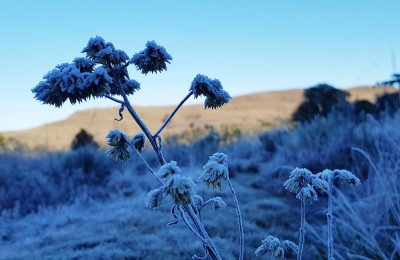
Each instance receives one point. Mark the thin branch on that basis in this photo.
(114, 99)
(173, 113)
(239, 219)
(185, 220)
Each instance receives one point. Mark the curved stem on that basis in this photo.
(173, 113)
(196, 221)
(239, 219)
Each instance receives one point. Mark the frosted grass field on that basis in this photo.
(81, 205)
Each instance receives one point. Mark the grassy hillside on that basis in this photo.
(248, 112)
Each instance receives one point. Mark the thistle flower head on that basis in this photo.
(211, 89)
(344, 176)
(138, 141)
(168, 169)
(104, 53)
(215, 170)
(298, 179)
(84, 64)
(153, 58)
(94, 46)
(154, 198)
(180, 188)
(119, 141)
(325, 175)
(271, 244)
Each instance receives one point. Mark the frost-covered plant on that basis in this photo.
(103, 74)
(302, 182)
(276, 248)
(339, 176)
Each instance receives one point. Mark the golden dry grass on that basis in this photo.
(248, 112)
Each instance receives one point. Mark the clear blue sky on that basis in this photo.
(250, 46)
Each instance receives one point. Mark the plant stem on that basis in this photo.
(330, 219)
(173, 113)
(239, 219)
(302, 227)
(114, 99)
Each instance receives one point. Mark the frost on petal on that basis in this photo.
(218, 203)
(325, 175)
(168, 169)
(211, 89)
(213, 174)
(153, 58)
(344, 176)
(116, 137)
(138, 141)
(119, 143)
(289, 247)
(94, 46)
(269, 244)
(154, 199)
(68, 82)
(298, 179)
(180, 188)
(319, 185)
(307, 192)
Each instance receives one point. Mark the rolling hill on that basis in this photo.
(252, 112)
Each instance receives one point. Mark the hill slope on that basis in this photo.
(249, 112)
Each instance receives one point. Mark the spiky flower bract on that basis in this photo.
(153, 58)
(211, 89)
(180, 188)
(119, 143)
(154, 198)
(167, 170)
(138, 141)
(215, 170)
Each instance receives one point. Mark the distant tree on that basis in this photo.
(395, 81)
(2, 142)
(82, 139)
(364, 107)
(319, 100)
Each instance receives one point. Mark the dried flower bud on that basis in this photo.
(154, 198)
(153, 58)
(168, 169)
(218, 203)
(138, 141)
(298, 178)
(180, 188)
(308, 193)
(344, 176)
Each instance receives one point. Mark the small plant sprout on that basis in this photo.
(304, 184)
(339, 176)
(103, 73)
(276, 248)
(216, 170)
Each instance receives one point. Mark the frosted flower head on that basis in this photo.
(153, 58)
(180, 188)
(308, 193)
(211, 89)
(169, 169)
(154, 198)
(94, 46)
(218, 203)
(198, 201)
(289, 247)
(138, 141)
(319, 184)
(277, 248)
(67, 81)
(298, 179)
(325, 175)
(215, 170)
(344, 176)
(84, 65)
(119, 141)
